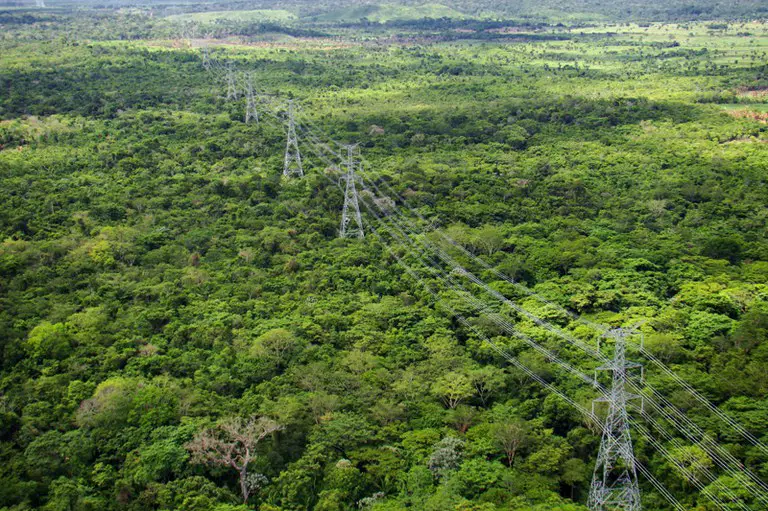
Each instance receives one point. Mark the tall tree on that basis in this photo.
(232, 443)
(510, 437)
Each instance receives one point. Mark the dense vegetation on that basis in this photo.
(161, 285)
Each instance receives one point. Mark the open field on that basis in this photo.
(384, 13)
(261, 15)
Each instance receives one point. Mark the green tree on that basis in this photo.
(276, 346)
(693, 459)
(573, 473)
(49, 341)
(487, 381)
(453, 388)
(510, 437)
(446, 456)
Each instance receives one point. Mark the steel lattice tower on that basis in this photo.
(206, 58)
(292, 165)
(250, 102)
(231, 85)
(614, 484)
(350, 201)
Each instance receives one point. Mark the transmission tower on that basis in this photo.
(292, 165)
(231, 84)
(250, 102)
(206, 58)
(350, 201)
(614, 484)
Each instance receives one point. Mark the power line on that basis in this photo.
(427, 264)
(313, 140)
(464, 272)
(601, 328)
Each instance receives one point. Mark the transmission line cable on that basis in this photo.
(326, 148)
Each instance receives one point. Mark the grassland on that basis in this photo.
(256, 16)
(382, 13)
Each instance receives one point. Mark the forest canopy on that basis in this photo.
(183, 328)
